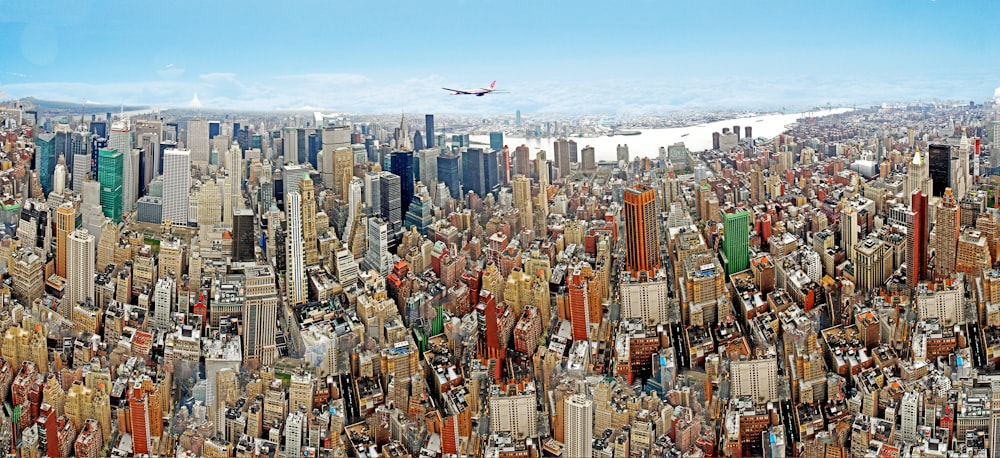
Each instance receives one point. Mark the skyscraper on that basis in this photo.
(121, 140)
(260, 313)
(946, 228)
(573, 155)
(940, 158)
(45, 159)
(243, 235)
(736, 239)
(65, 223)
(295, 263)
(522, 201)
(110, 176)
(334, 138)
(641, 232)
(522, 161)
(401, 164)
(197, 140)
(579, 428)
(588, 162)
(176, 184)
(80, 267)
(448, 173)
(377, 254)
(310, 248)
(622, 153)
(391, 203)
(472, 171)
(561, 150)
(849, 229)
(429, 129)
(496, 141)
(917, 234)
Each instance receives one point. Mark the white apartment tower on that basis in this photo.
(579, 427)
(176, 185)
(79, 268)
(757, 378)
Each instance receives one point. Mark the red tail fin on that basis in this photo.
(494, 83)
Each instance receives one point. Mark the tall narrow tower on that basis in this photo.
(917, 234)
(641, 234)
(295, 263)
(311, 249)
(65, 223)
(522, 201)
(176, 184)
(947, 223)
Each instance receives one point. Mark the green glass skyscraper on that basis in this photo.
(736, 240)
(109, 174)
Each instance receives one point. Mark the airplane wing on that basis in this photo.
(457, 91)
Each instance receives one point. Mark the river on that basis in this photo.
(647, 144)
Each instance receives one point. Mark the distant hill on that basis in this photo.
(52, 105)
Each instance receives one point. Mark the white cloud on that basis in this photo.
(347, 92)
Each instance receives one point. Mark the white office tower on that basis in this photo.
(909, 407)
(579, 427)
(373, 190)
(209, 204)
(295, 262)
(345, 266)
(93, 213)
(176, 185)
(197, 141)
(79, 268)
(59, 178)
(228, 185)
(354, 200)
(377, 257)
(120, 139)
(163, 301)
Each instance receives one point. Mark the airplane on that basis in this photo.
(476, 92)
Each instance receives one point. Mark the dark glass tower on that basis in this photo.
(429, 129)
(243, 235)
(448, 173)
(401, 164)
(939, 157)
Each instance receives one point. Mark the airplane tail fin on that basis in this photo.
(494, 83)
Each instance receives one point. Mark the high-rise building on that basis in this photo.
(343, 170)
(491, 173)
(45, 159)
(940, 158)
(560, 148)
(522, 161)
(309, 236)
(573, 152)
(295, 263)
(496, 141)
(757, 378)
(391, 203)
(260, 314)
(138, 406)
(946, 228)
(579, 429)
(121, 140)
(377, 256)
(736, 239)
(163, 302)
(588, 164)
(65, 223)
(473, 171)
(244, 241)
(522, 201)
(622, 153)
(80, 268)
(197, 140)
(110, 176)
(334, 138)
(872, 263)
(849, 229)
(429, 130)
(917, 234)
(401, 164)
(908, 415)
(449, 174)
(641, 232)
(176, 185)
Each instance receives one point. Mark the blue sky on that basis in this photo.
(554, 56)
